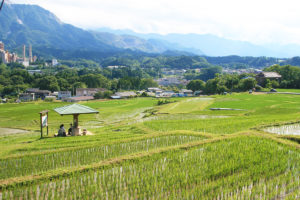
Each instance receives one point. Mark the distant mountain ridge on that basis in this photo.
(212, 45)
(30, 24)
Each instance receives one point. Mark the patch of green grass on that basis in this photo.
(186, 105)
(288, 90)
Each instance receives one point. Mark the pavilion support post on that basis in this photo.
(75, 129)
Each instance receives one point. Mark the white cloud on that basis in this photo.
(258, 21)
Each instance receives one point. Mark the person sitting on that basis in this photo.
(61, 131)
(70, 129)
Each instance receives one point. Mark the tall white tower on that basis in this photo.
(30, 53)
(24, 53)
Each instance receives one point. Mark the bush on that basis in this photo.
(275, 84)
(284, 84)
(247, 84)
(164, 101)
(103, 95)
(144, 94)
(49, 100)
(258, 88)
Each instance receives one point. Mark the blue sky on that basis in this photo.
(256, 21)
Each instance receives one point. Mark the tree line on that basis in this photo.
(14, 79)
(224, 83)
(237, 83)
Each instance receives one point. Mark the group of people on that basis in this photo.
(62, 131)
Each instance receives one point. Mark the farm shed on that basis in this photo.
(262, 77)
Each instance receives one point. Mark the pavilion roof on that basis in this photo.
(74, 109)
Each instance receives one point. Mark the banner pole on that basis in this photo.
(47, 123)
(41, 115)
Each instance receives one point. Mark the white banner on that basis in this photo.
(44, 120)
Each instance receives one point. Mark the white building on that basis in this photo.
(25, 63)
(54, 62)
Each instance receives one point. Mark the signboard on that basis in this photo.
(44, 121)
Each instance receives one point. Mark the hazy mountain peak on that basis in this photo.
(212, 45)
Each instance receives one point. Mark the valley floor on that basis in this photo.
(139, 150)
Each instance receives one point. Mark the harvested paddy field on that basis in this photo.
(141, 150)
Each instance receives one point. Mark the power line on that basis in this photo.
(1, 5)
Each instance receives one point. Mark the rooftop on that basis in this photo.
(271, 74)
(75, 109)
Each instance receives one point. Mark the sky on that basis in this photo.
(256, 21)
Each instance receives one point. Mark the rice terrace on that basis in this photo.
(181, 149)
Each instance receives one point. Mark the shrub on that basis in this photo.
(164, 101)
(103, 95)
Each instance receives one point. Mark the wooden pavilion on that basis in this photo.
(75, 110)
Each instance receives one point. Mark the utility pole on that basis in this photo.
(1, 5)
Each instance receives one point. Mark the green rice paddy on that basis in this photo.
(138, 150)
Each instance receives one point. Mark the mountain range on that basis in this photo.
(30, 24)
(211, 45)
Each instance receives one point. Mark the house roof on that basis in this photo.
(271, 74)
(37, 90)
(75, 109)
(81, 98)
(125, 94)
(91, 89)
(185, 90)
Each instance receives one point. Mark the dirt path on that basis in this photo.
(10, 131)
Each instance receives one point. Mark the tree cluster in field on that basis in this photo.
(237, 83)
(224, 83)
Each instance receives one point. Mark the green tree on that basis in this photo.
(47, 83)
(103, 95)
(148, 82)
(196, 85)
(210, 73)
(95, 81)
(247, 84)
(16, 80)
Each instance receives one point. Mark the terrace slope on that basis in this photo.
(224, 147)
